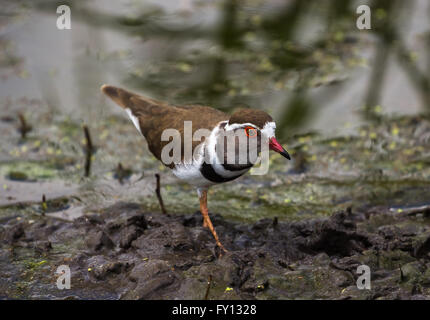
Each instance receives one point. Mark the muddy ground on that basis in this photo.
(123, 252)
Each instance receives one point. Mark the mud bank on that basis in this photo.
(122, 252)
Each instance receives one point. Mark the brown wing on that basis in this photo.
(156, 116)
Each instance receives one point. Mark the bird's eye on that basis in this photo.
(251, 132)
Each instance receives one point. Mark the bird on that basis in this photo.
(205, 167)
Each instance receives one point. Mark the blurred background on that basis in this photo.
(305, 62)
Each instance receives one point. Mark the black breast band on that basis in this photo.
(209, 173)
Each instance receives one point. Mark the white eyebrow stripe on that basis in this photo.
(268, 129)
(234, 126)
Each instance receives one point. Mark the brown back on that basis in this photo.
(155, 116)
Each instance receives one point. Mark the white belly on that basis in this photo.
(191, 174)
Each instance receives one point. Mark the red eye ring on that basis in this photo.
(251, 132)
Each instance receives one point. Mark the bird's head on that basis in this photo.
(256, 124)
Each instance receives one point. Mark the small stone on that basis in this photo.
(42, 246)
(96, 240)
(148, 269)
(128, 235)
(16, 232)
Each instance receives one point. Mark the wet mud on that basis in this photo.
(124, 252)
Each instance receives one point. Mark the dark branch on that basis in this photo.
(158, 192)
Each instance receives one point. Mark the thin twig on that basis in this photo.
(208, 288)
(275, 222)
(120, 173)
(157, 191)
(402, 276)
(44, 205)
(89, 149)
(88, 138)
(24, 127)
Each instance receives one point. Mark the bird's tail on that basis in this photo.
(120, 96)
(137, 107)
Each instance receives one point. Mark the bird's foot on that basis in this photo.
(208, 224)
(223, 250)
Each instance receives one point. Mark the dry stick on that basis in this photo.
(44, 205)
(208, 288)
(88, 150)
(24, 127)
(402, 276)
(157, 191)
(120, 173)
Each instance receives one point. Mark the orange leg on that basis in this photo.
(207, 223)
